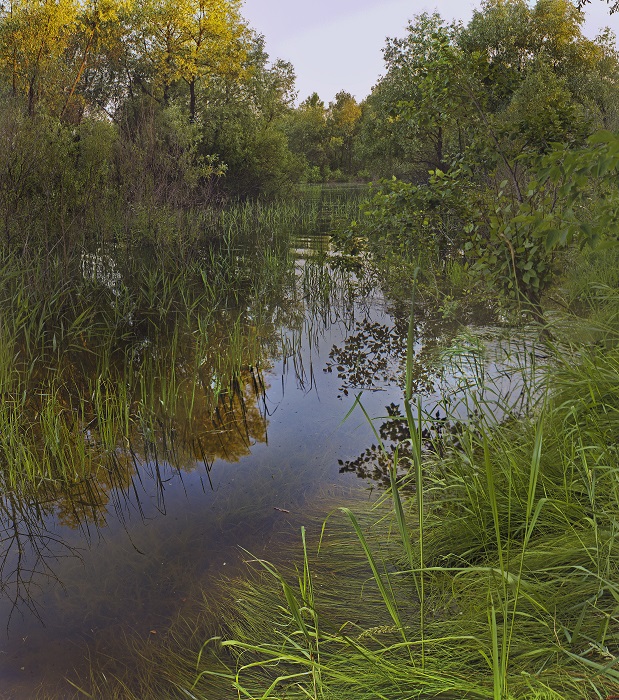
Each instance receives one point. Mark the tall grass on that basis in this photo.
(488, 571)
(124, 350)
(511, 538)
(122, 360)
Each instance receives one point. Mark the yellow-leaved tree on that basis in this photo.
(96, 44)
(34, 38)
(186, 42)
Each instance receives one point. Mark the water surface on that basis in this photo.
(116, 558)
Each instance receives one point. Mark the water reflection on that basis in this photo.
(194, 434)
(29, 548)
(463, 381)
(144, 426)
(176, 408)
(375, 354)
(374, 463)
(121, 482)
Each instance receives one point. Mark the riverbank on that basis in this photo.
(496, 579)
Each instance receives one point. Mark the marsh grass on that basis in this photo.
(98, 385)
(116, 360)
(136, 360)
(489, 570)
(498, 579)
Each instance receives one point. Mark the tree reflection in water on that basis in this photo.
(32, 520)
(375, 461)
(28, 550)
(374, 355)
(471, 380)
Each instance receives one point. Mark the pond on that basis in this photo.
(189, 441)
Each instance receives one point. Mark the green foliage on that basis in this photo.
(306, 130)
(500, 111)
(572, 198)
(343, 123)
(243, 124)
(515, 79)
(180, 98)
(406, 217)
(325, 137)
(542, 111)
(428, 64)
(412, 121)
(515, 240)
(53, 177)
(577, 174)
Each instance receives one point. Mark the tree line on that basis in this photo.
(127, 106)
(500, 139)
(117, 105)
(513, 80)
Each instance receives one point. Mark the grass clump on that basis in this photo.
(127, 354)
(497, 578)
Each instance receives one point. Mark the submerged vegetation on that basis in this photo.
(487, 569)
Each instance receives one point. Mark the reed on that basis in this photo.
(512, 543)
(98, 356)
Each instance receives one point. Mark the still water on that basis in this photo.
(84, 573)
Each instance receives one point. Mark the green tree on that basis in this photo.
(418, 113)
(185, 43)
(485, 103)
(307, 132)
(343, 115)
(242, 122)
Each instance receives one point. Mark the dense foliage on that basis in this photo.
(124, 112)
(325, 137)
(501, 135)
(161, 108)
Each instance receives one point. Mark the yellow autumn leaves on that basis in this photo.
(55, 52)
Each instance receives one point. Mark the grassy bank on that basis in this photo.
(497, 578)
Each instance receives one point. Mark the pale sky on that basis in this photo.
(336, 44)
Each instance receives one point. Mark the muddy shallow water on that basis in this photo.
(81, 579)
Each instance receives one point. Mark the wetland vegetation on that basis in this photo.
(264, 435)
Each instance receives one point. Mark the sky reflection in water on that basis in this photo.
(91, 566)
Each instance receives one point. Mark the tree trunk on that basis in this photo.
(192, 100)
